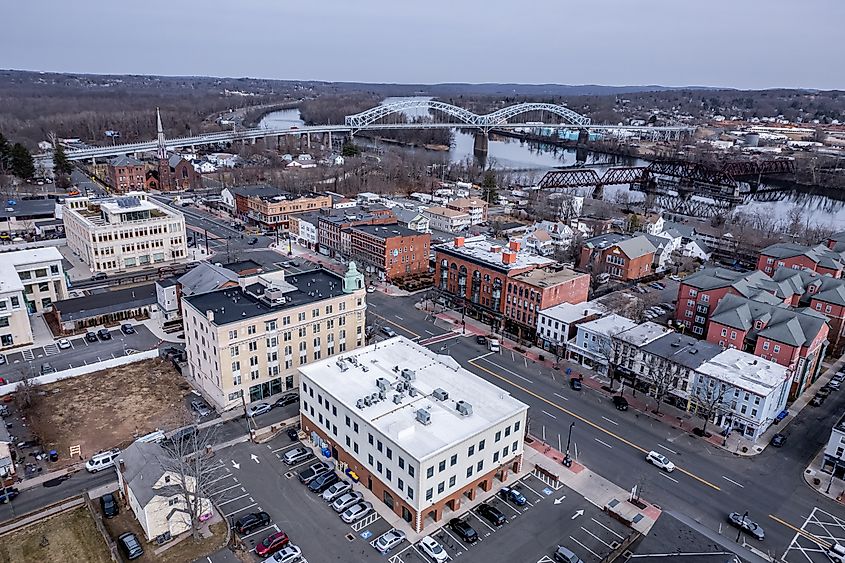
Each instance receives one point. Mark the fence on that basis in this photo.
(82, 370)
(50, 510)
(101, 527)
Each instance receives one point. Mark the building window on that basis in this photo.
(471, 449)
(378, 445)
(429, 493)
(776, 349)
(766, 345)
(469, 471)
(453, 460)
(411, 470)
(495, 457)
(480, 466)
(498, 435)
(401, 462)
(441, 466)
(400, 483)
(515, 429)
(429, 473)
(440, 487)
(389, 453)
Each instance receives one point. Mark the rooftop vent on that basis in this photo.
(423, 417)
(359, 403)
(440, 394)
(382, 395)
(397, 398)
(409, 374)
(383, 384)
(366, 400)
(464, 408)
(412, 391)
(342, 365)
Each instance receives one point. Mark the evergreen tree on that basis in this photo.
(61, 164)
(350, 149)
(488, 188)
(5, 153)
(22, 164)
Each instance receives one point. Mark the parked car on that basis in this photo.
(836, 553)
(337, 490)
(63, 344)
(344, 501)
(660, 461)
(491, 514)
(480, 340)
(293, 433)
(271, 544)
(252, 241)
(389, 540)
(323, 482)
(256, 409)
(7, 494)
(387, 331)
(200, 408)
(312, 471)
(834, 384)
(838, 377)
(824, 391)
(91, 336)
(371, 289)
(356, 512)
(251, 522)
(746, 524)
(434, 550)
(102, 460)
(2, 359)
(512, 495)
(99, 276)
(109, 505)
(575, 383)
(130, 545)
(621, 403)
(778, 440)
(464, 530)
(297, 455)
(47, 368)
(565, 555)
(104, 334)
(183, 434)
(817, 400)
(289, 399)
(288, 554)
(127, 329)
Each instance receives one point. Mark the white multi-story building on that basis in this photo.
(115, 234)
(14, 318)
(556, 325)
(744, 392)
(248, 341)
(834, 452)
(593, 345)
(447, 220)
(417, 429)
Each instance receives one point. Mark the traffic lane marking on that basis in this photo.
(667, 477)
(804, 533)
(589, 423)
(394, 323)
(603, 443)
(507, 370)
(667, 449)
(740, 485)
(613, 422)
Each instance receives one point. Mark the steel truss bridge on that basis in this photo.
(390, 116)
(685, 188)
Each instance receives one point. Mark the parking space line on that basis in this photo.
(233, 499)
(226, 476)
(526, 485)
(241, 509)
(260, 531)
(511, 507)
(585, 547)
(424, 557)
(620, 536)
(221, 491)
(456, 540)
(595, 536)
(480, 519)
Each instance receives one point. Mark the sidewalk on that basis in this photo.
(644, 403)
(824, 483)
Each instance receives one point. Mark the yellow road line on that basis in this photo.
(806, 534)
(408, 330)
(590, 423)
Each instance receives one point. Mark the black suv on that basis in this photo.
(621, 403)
(252, 521)
(323, 482)
(104, 334)
(491, 514)
(130, 545)
(109, 505)
(464, 530)
(91, 336)
(575, 383)
(288, 399)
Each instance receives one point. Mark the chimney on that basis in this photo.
(495, 249)
(209, 314)
(508, 257)
(514, 245)
(459, 242)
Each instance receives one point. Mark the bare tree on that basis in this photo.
(662, 377)
(26, 393)
(710, 399)
(612, 351)
(192, 468)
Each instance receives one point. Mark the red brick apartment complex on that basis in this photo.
(392, 251)
(622, 257)
(126, 174)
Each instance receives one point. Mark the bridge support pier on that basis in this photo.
(598, 192)
(583, 137)
(330, 141)
(482, 143)
(308, 140)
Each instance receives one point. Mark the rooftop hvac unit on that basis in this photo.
(383, 384)
(464, 408)
(397, 398)
(359, 403)
(400, 386)
(409, 374)
(367, 401)
(424, 417)
(412, 392)
(342, 365)
(374, 398)
(440, 394)
(382, 395)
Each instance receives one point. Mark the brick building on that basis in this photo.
(820, 258)
(174, 174)
(389, 251)
(332, 223)
(530, 292)
(126, 174)
(623, 257)
(274, 211)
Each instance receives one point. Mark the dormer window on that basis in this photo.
(758, 324)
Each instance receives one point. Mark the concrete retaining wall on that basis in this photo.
(82, 370)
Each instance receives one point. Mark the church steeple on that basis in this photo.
(162, 148)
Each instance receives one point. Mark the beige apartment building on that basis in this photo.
(246, 343)
(117, 234)
(274, 212)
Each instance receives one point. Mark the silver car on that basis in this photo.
(346, 500)
(337, 490)
(389, 540)
(356, 512)
(296, 455)
(257, 408)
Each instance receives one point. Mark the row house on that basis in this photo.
(333, 222)
(795, 338)
(821, 293)
(390, 251)
(622, 257)
(820, 258)
(475, 208)
(528, 293)
(274, 211)
(558, 325)
(446, 219)
(126, 174)
(595, 344)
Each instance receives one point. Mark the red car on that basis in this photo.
(272, 544)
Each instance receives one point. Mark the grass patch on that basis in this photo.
(72, 536)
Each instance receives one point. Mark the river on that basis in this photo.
(513, 154)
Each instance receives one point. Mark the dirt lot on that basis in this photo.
(72, 536)
(110, 408)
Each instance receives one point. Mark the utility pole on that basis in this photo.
(567, 461)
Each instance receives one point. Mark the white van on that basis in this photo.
(102, 460)
(154, 437)
(493, 343)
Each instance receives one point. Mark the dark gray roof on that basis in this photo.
(234, 304)
(683, 349)
(405, 216)
(174, 160)
(605, 240)
(243, 265)
(143, 468)
(106, 302)
(656, 241)
(29, 209)
(701, 244)
(124, 160)
(795, 327)
(744, 282)
(819, 254)
(686, 231)
(636, 247)
(167, 282)
(206, 277)
(387, 231)
(351, 214)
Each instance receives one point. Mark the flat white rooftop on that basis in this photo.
(746, 371)
(30, 256)
(644, 333)
(610, 325)
(569, 312)
(398, 422)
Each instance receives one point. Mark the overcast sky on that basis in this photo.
(731, 43)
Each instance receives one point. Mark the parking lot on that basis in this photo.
(820, 525)
(253, 478)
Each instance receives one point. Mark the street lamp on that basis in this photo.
(832, 473)
(741, 524)
(567, 461)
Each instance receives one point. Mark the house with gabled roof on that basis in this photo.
(623, 257)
